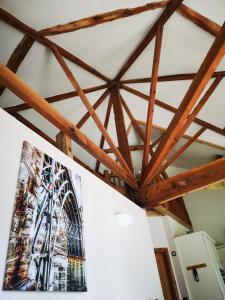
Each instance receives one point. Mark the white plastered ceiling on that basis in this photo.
(106, 47)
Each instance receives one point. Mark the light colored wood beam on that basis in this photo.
(151, 103)
(183, 183)
(211, 61)
(26, 93)
(90, 109)
(64, 143)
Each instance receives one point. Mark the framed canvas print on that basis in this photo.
(46, 247)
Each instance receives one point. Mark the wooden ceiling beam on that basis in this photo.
(106, 123)
(182, 149)
(151, 103)
(183, 183)
(200, 20)
(102, 18)
(18, 55)
(26, 93)
(55, 98)
(120, 127)
(37, 36)
(174, 77)
(95, 106)
(175, 209)
(174, 110)
(174, 131)
(188, 122)
(77, 160)
(91, 110)
(167, 13)
(138, 129)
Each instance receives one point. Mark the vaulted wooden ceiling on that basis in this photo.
(150, 187)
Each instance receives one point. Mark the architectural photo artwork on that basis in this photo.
(46, 247)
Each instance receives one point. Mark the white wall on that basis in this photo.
(163, 237)
(120, 263)
(207, 212)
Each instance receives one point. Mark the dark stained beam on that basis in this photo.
(176, 209)
(174, 77)
(26, 93)
(55, 98)
(200, 20)
(167, 13)
(18, 55)
(106, 123)
(151, 103)
(120, 127)
(174, 110)
(95, 106)
(182, 184)
(102, 18)
(33, 34)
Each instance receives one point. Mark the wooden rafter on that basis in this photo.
(172, 134)
(200, 20)
(176, 209)
(26, 93)
(167, 13)
(64, 143)
(199, 106)
(120, 127)
(90, 109)
(188, 122)
(77, 160)
(37, 36)
(182, 149)
(56, 98)
(174, 77)
(102, 18)
(95, 106)
(138, 129)
(182, 184)
(151, 103)
(172, 109)
(106, 123)
(18, 55)
(186, 136)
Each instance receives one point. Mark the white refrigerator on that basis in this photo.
(201, 268)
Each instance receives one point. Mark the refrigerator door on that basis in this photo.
(192, 250)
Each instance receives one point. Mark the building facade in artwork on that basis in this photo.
(46, 248)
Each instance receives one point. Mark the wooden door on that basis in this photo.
(166, 274)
